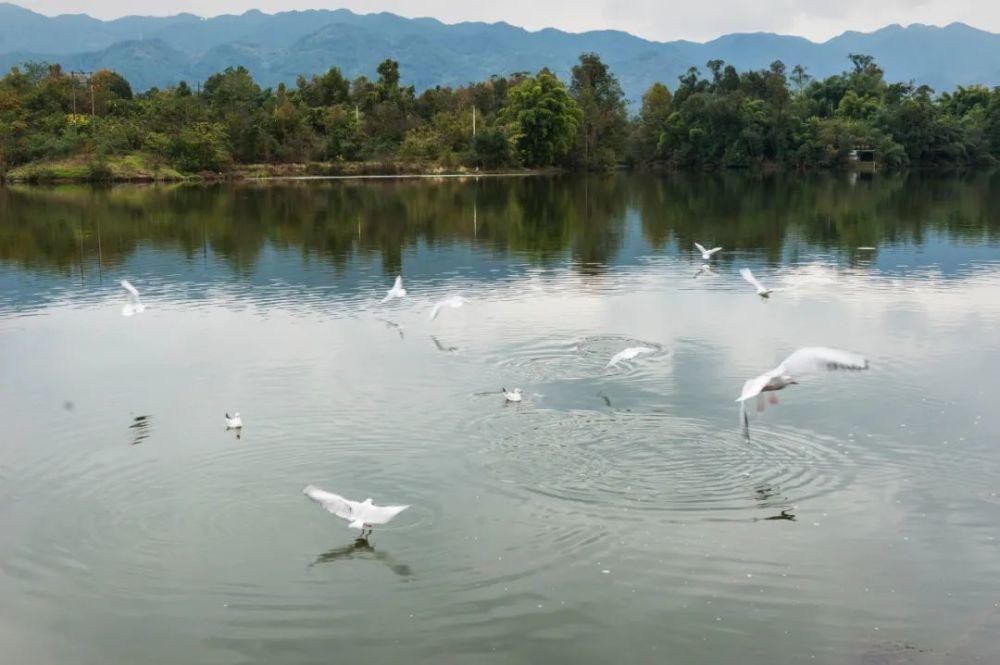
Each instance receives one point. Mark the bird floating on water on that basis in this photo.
(362, 515)
(762, 291)
(234, 421)
(807, 360)
(512, 395)
(628, 354)
(706, 254)
(397, 290)
(134, 305)
(452, 302)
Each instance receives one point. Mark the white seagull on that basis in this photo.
(806, 360)
(512, 395)
(360, 515)
(628, 354)
(397, 290)
(234, 421)
(761, 290)
(134, 305)
(453, 302)
(706, 254)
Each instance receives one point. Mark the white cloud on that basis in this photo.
(653, 19)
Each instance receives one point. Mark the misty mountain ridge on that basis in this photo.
(162, 51)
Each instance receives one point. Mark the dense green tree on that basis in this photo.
(770, 116)
(602, 132)
(543, 119)
(651, 125)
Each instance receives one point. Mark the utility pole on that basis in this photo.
(76, 76)
(73, 79)
(473, 121)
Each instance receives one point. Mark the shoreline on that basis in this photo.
(134, 169)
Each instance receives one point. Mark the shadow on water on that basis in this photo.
(364, 550)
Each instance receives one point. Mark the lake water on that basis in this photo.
(616, 514)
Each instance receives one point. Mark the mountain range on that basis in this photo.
(160, 51)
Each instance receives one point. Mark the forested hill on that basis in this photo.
(152, 51)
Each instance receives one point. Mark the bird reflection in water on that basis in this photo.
(362, 549)
(392, 324)
(442, 347)
(785, 514)
(140, 429)
(769, 496)
(705, 270)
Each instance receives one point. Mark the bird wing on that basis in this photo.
(372, 514)
(334, 503)
(700, 248)
(754, 386)
(127, 285)
(817, 358)
(748, 276)
(398, 284)
(714, 250)
(133, 293)
(436, 310)
(615, 359)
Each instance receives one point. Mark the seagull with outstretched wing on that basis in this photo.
(397, 290)
(134, 305)
(805, 361)
(362, 515)
(453, 302)
(762, 291)
(706, 254)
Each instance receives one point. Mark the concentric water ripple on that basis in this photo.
(659, 462)
(586, 357)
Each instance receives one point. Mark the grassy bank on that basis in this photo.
(141, 167)
(134, 167)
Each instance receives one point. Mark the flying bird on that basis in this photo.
(805, 361)
(512, 395)
(134, 305)
(706, 254)
(359, 515)
(397, 290)
(234, 421)
(628, 354)
(762, 291)
(453, 302)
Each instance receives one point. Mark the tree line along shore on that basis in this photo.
(57, 125)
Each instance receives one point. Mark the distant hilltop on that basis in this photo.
(160, 51)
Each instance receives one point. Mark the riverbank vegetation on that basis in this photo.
(58, 125)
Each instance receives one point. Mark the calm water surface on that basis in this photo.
(614, 515)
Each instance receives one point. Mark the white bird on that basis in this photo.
(360, 515)
(706, 254)
(628, 354)
(512, 395)
(453, 302)
(397, 290)
(761, 290)
(134, 305)
(806, 360)
(234, 421)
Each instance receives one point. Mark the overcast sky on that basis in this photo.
(653, 19)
